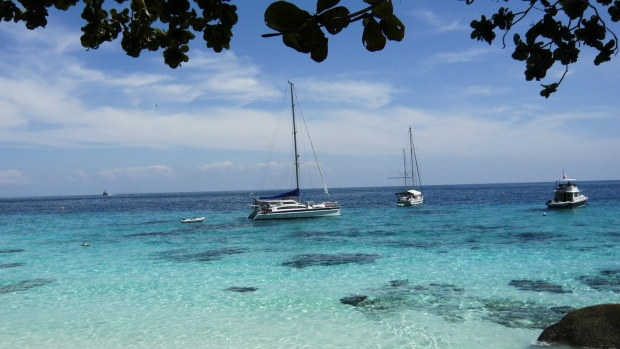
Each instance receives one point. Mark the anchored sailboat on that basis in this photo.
(284, 205)
(411, 196)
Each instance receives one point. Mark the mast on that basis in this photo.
(413, 156)
(405, 168)
(295, 142)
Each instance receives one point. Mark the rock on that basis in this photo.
(241, 289)
(596, 326)
(353, 300)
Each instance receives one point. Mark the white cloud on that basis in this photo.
(138, 172)
(436, 24)
(79, 175)
(456, 57)
(220, 166)
(13, 177)
(486, 90)
(355, 92)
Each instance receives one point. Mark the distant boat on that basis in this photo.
(567, 195)
(411, 196)
(283, 205)
(105, 193)
(193, 220)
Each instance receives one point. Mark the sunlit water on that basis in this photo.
(471, 268)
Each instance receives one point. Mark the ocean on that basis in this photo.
(476, 266)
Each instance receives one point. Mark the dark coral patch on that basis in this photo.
(399, 294)
(241, 289)
(13, 250)
(451, 303)
(353, 300)
(399, 283)
(538, 286)
(312, 259)
(10, 265)
(523, 314)
(24, 285)
(608, 280)
(204, 256)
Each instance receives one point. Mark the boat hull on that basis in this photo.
(193, 220)
(296, 213)
(567, 204)
(404, 202)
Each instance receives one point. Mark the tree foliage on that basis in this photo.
(303, 31)
(145, 24)
(559, 30)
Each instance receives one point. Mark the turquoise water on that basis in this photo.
(471, 268)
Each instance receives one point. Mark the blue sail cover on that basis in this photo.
(283, 195)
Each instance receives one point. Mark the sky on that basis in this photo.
(78, 122)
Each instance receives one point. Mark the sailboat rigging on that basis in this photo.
(283, 205)
(410, 197)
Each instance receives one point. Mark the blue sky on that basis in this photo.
(76, 122)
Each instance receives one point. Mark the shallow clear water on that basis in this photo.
(471, 268)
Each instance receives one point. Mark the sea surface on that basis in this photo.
(476, 266)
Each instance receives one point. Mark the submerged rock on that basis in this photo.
(608, 280)
(10, 265)
(312, 259)
(204, 256)
(523, 314)
(353, 300)
(12, 250)
(24, 285)
(241, 289)
(597, 326)
(538, 286)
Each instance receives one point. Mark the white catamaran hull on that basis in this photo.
(300, 213)
(408, 201)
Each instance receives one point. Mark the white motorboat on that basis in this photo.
(193, 220)
(567, 195)
(288, 204)
(410, 197)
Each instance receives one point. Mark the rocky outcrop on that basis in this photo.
(597, 326)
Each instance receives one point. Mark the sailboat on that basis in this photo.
(288, 204)
(410, 196)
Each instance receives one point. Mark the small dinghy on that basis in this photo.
(193, 220)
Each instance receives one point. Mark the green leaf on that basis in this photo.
(322, 5)
(305, 40)
(284, 17)
(373, 38)
(614, 11)
(335, 19)
(574, 8)
(549, 89)
(320, 53)
(483, 30)
(385, 9)
(393, 28)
